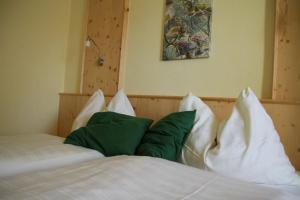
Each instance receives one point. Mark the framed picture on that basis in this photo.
(187, 29)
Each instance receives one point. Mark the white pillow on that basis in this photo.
(120, 104)
(249, 147)
(96, 103)
(203, 134)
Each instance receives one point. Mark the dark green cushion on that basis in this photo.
(111, 133)
(166, 137)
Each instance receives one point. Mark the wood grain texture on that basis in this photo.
(105, 27)
(286, 78)
(285, 115)
(121, 81)
(85, 25)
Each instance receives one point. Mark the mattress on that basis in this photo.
(130, 177)
(30, 152)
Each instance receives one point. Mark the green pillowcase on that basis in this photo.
(111, 133)
(166, 137)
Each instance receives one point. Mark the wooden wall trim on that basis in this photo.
(221, 99)
(276, 46)
(106, 28)
(86, 17)
(286, 75)
(121, 73)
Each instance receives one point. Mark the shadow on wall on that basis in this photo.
(269, 49)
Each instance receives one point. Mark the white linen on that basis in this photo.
(202, 136)
(249, 147)
(30, 152)
(130, 178)
(96, 103)
(121, 104)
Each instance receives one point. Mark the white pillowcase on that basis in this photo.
(96, 103)
(249, 147)
(203, 133)
(120, 104)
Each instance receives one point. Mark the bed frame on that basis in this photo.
(286, 115)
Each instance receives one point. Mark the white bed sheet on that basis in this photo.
(30, 152)
(130, 178)
(295, 190)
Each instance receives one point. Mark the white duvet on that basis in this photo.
(130, 178)
(25, 153)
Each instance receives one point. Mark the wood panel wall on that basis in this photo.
(285, 115)
(286, 81)
(106, 26)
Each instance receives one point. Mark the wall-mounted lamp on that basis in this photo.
(88, 43)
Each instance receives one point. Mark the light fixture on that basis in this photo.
(89, 41)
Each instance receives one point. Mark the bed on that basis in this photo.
(138, 177)
(30, 152)
(130, 177)
(285, 115)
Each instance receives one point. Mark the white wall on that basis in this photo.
(33, 40)
(241, 52)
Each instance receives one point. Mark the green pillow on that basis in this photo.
(166, 137)
(111, 133)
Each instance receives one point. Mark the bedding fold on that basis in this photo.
(132, 177)
(30, 152)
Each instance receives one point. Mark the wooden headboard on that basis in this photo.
(286, 115)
